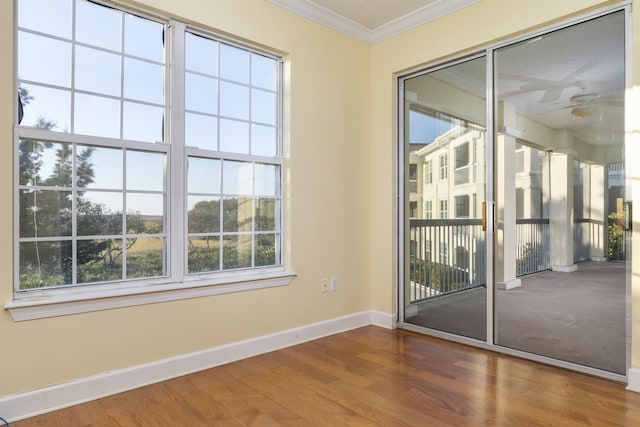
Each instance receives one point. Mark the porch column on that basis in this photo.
(561, 211)
(505, 232)
(598, 213)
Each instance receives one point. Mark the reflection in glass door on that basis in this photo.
(561, 243)
(445, 152)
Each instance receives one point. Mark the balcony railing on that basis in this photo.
(532, 246)
(449, 255)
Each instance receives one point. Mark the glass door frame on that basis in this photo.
(402, 223)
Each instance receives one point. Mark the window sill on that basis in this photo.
(52, 305)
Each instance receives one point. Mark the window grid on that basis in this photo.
(444, 208)
(444, 171)
(264, 206)
(428, 178)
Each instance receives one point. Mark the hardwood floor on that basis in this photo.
(366, 377)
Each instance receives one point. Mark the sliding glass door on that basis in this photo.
(561, 241)
(445, 147)
(515, 216)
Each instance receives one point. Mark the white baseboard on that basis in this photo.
(24, 405)
(633, 380)
(384, 320)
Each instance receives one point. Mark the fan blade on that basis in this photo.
(551, 95)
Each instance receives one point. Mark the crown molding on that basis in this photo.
(326, 17)
(331, 19)
(416, 18)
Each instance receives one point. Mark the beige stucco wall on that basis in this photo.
(327, 205)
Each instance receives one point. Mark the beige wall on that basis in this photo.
(326, 195)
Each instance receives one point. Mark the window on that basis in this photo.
(462, 206)
(444, 172)
(104, 158)
(428, 179)
(413, 209)
(462, 162)
(428, 211)
(444, 208)
(413, 178)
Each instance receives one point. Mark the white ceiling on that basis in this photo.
(372, 21)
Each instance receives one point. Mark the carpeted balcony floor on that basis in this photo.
(578, 317)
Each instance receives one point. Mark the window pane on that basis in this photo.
(237, 177)
(145, 257)
(267, 180)
(44, 163)
(99, 260)
(142, 122)
(263, 107)
(143, 38)
(264, 72)
(203, 254)
(201, 131)
(204, 214)
(99, 167)
(234, 101)
(98, 25)
(145, 213)
(263, 140)
(201, 54)
(45, 264)
(234, 136)
(51, 17)
(266, 250)
(44, 108)
(145, 171)
(236, 252)
(143, 81)
(99, 213)
(234, 63)
(44, 60)
(97, 71)
(266, 214)
(204, 176)
(45, 213)
(96, 115)
(237, 214)
(201, 93)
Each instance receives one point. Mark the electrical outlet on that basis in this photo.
(324, 285)
(334, 284)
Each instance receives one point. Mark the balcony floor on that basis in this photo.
(578, 317)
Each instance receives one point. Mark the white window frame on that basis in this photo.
(444, 208)
(444, 166)
(428, 210)
(176, 285)
(428, 173)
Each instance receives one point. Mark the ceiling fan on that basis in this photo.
(587, 103)
(552, 88)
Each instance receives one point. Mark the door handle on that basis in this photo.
(484, 216)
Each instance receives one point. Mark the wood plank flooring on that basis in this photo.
(366, 377)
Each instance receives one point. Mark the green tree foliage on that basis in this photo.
(46, 210)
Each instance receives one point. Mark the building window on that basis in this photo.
(462, 206)
(413, 178)
(413, 209)
(428, 174)
(444, 209)
(462, 163)
(444, 171)
(100, 195)
(428, 210)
